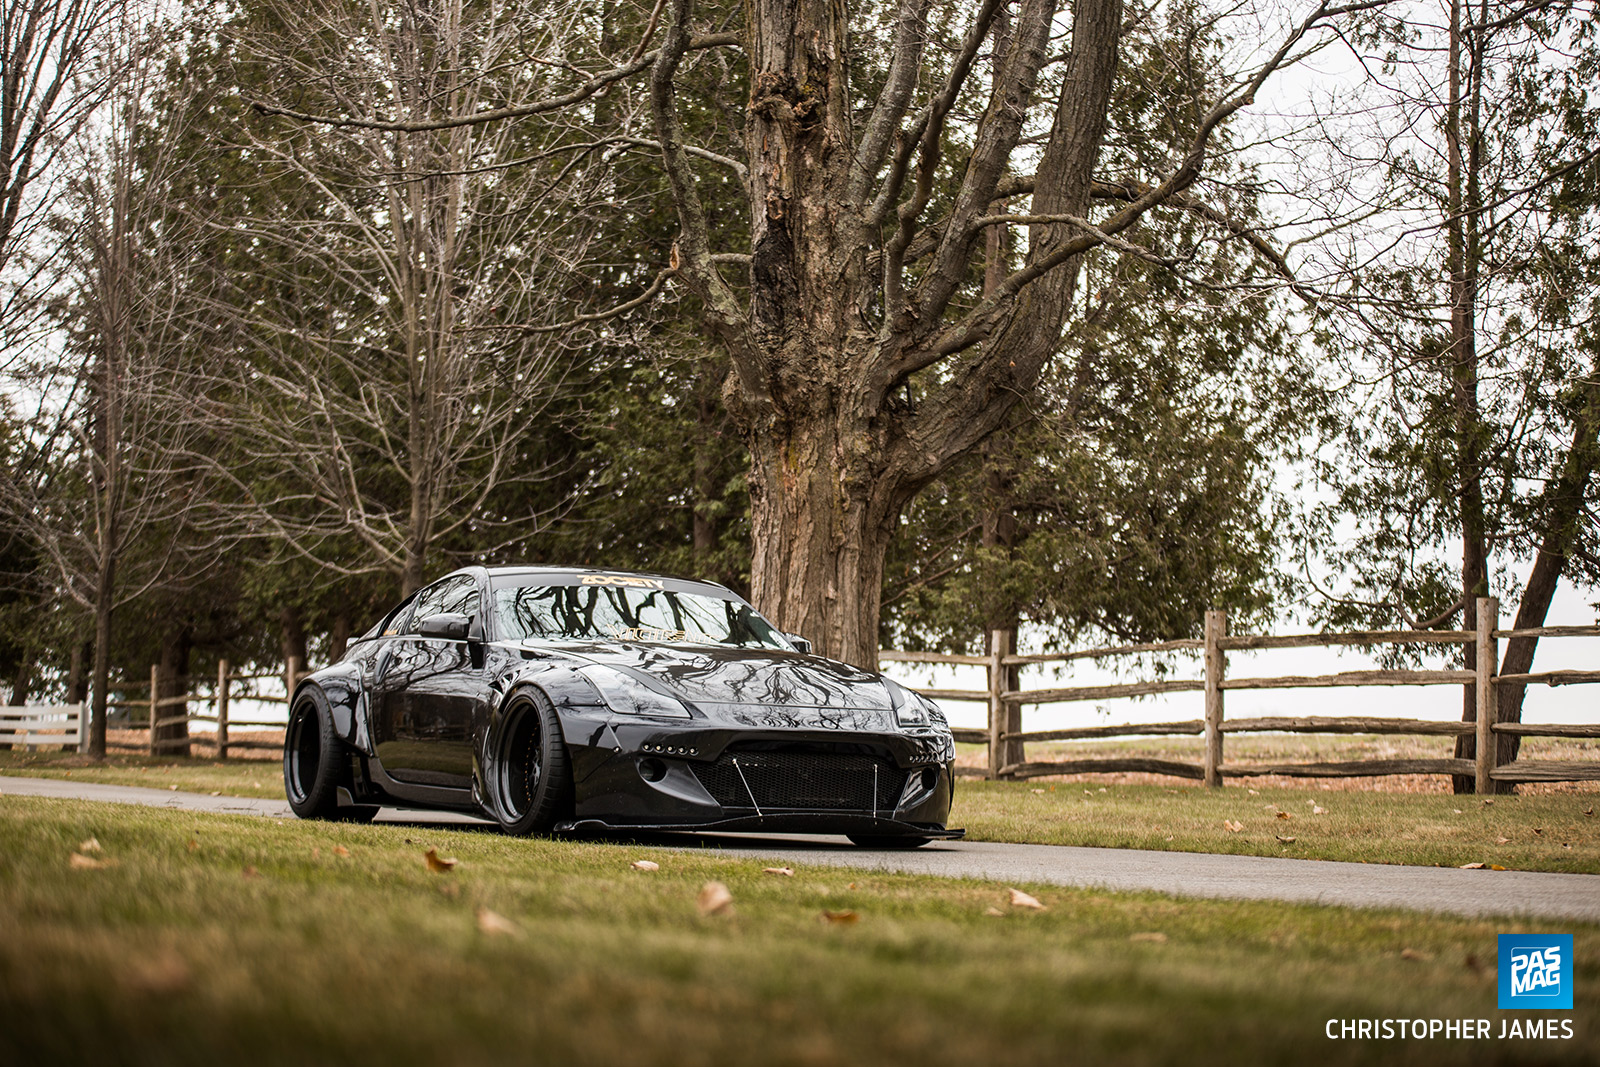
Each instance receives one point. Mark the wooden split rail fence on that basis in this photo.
(1005, 737)
(219, 699)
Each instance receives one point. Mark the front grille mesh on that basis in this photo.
(807, 781)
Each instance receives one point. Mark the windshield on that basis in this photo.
(621, 613)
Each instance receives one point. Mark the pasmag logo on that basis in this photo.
(1536, 971)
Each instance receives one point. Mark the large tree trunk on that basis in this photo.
(837, 447)
(819, 541)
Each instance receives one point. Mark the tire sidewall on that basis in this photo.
(318, 797)
(552, 800)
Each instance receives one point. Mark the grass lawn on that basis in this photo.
(1554, 832)
(216, 939)
(1547, 832)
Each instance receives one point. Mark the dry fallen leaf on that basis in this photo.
(1255, 792)
(1019, 899)
(1231, 826)
(1471, 867)
(714, 899)
(1489, 802)
(216, 792)
(90, 845)
(1284, 815)
(786, 872)
(840, 917)
(250, 872)
(1589, 812)
(1538, 831)
(1317, 809)
(1153, 936)
(992, 910)
(340, 850)
(192, 845)
(494, 923)
(1285, 840)
(1455, 811)
(438, 864)
(1502, 840)
(80, 862)
(1496, 867)
(645, 865)
(1413, 954)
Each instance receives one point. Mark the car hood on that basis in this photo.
(751, 677)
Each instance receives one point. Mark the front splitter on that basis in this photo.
(776, 823)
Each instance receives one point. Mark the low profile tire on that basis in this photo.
(888, 841)
(311, 761)
(532, 778)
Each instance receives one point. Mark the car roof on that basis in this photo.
(509, 571)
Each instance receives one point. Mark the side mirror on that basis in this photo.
(450, 625)
(800, 644)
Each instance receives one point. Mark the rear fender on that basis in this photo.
(338, 689)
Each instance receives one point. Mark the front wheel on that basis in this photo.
(888, 841)
(532, 778)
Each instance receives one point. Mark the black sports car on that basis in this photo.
(562, 699)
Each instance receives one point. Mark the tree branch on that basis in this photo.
(533, 107)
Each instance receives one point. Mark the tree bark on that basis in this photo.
(77, 677)
(339, 638)
(176, 645)
(292, 635)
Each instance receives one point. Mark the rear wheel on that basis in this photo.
(532, 778)
(889, 841)
(311, 761)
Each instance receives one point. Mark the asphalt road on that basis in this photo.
(1183, 874)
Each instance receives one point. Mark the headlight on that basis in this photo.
(909, 710)
(628, 696)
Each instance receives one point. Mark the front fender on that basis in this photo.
(578, 709)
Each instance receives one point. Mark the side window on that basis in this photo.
(462, 598)
(395, 621)
(433, 600)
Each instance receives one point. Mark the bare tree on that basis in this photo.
(103, 490)
(1460, 289)
(53, 76)
(399, 328)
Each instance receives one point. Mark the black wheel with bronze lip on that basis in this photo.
(531, 781)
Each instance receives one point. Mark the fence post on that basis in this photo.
(1487, 696)
(1215, 667)
(155, 704)
(291, 675)
(222, 709)
(998, 642)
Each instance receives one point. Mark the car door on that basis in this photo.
(428, 691)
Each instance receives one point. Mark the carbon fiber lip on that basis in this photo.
(787, 822)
